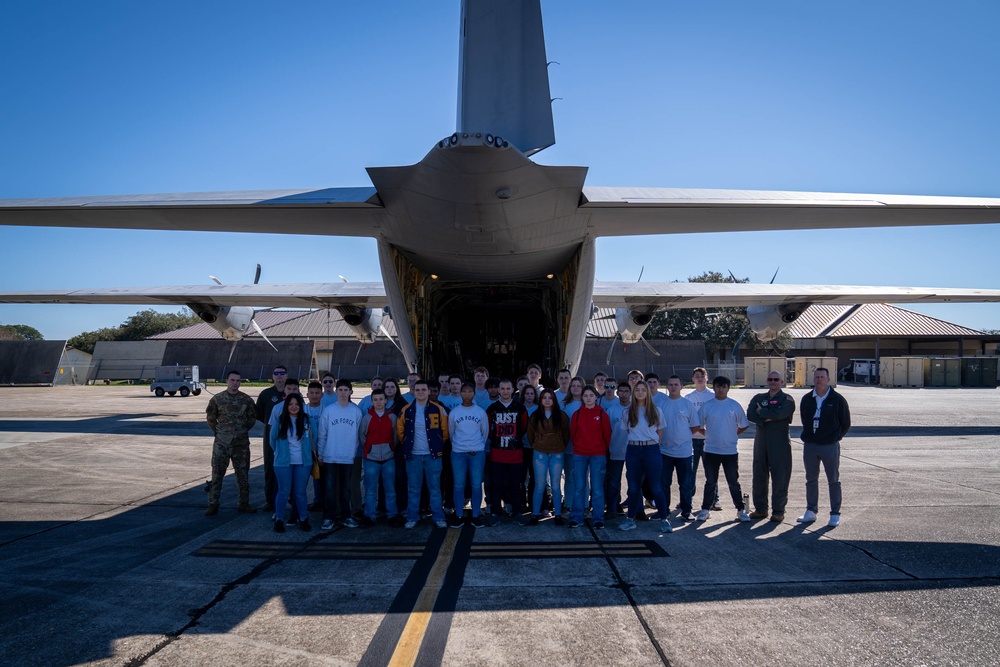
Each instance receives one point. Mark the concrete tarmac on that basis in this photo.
(106, 558)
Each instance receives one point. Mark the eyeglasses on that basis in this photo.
(327, 381)
(774, 379)
(279, 373)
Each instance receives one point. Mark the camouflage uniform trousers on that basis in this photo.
(236, 450)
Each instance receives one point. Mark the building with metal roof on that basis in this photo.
(875, 330)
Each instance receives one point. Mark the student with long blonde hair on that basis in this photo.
(644, 424)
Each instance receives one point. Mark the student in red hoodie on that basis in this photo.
(590, 431)
(379, 444)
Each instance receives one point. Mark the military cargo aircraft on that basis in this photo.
(478, 242)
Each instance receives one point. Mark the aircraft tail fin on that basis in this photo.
(503, 76)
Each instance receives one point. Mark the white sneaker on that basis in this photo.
(834, 521)
(410, 524)
(665, 527)
(703, 515)
(327, 525)
(627, 524)
(808, 517)
(741, 515)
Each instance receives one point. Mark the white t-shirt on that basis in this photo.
(642, 430)
(679, 416)
(420, 444)
(721, 420)
(699, 398)
(294, 445)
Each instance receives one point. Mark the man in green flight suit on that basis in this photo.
(231, 415)
(772, 451)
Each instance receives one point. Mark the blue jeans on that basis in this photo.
(685, 470)
(595, 466)
(613, 486)
(644, 460)
(292, 479)
(569, 491)
(419, 467)
(548, 466)
(468, 465)
(373, 470)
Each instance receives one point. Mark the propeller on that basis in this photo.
(253, 317)
(633, 324)
(739, 341)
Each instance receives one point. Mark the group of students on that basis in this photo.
(533, 450)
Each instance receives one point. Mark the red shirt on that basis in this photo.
(590, 430)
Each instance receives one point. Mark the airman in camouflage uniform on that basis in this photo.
(231, 415)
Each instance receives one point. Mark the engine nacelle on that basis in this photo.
(769, 321)
(364, 322)
(232, 322)
(631, 324)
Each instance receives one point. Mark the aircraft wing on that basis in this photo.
(665, 296)
(635, 211)
(292, 295)
(328, 211)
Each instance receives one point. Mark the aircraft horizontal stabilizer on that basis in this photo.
(328, 211)
(639, 211)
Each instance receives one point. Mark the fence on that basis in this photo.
(735, 372)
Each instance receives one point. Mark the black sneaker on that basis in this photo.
(492, 520)
(598, 525)
(454, 521)
(293, 521)
(305, 526)
(559, 521)
(367, 522)
(315, 507)
(478, 521)
(574, 524)
(396, 521)
(641, 516)
(279, 526)
(687, 516)
(716, 507)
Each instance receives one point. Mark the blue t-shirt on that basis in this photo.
(450, 402)
(619, 436)
(483, 399)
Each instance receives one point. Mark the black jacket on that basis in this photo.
(834, 419)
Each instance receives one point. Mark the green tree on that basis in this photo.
(140, 326)
(720, 328)
(19, 332)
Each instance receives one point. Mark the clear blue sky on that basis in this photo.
(128, 97)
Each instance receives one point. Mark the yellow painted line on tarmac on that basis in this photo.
(412, 637)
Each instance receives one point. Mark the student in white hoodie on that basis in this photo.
(468, 427)
(339, 438)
